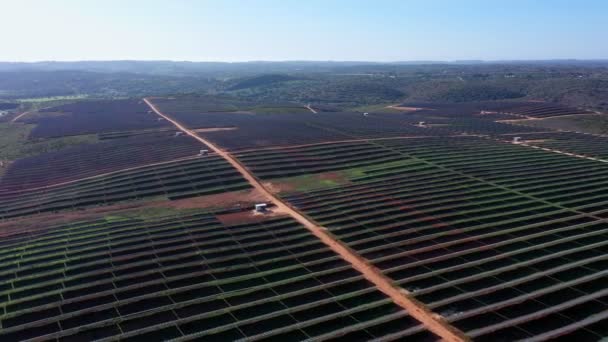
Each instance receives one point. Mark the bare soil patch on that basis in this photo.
(40, 223)
(226, 199)
(305, 182)
(37, 224)
(278, 187)
(533, 141)
(249, 216)
(338, 177)
(404, 108)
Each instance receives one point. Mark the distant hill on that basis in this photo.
(262, 80)
(476, 93)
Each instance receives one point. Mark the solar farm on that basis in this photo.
(188, 220)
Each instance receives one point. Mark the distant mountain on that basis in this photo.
(227, 70)
(181, 68)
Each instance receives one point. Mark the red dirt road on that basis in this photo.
(401, 297)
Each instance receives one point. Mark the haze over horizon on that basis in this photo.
(273, 30)
(463, 61)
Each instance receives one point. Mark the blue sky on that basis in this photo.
(241, 30)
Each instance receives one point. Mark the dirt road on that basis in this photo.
(523, 143)
(403, 108)
(311, 109)
(401, 297)
(19, 117)
(288, 147)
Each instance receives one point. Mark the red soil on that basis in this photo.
(247, 217)
(40, 223)
(226, 199)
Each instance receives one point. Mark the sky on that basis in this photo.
(277, 30)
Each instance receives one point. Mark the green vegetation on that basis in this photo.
(316, 181)
(262, 80)
(586, 123)
(203, 104)
(279, 110)
(377, 168)
(378, 108)
(14, 142)
(342, 85)
(149, 213)
(313, 181)
(34, 104)
(53, 98)
(342, 91)
(475, 92)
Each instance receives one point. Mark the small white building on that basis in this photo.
(261, 207)
(517, 140)
(203, 153)
(365, 114)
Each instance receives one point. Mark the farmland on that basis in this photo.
(422, 224)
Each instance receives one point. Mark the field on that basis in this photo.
(382, 224)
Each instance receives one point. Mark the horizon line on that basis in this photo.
(448, 61)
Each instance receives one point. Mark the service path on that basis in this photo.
(311, 109)
(400, 296)
(19, 116)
